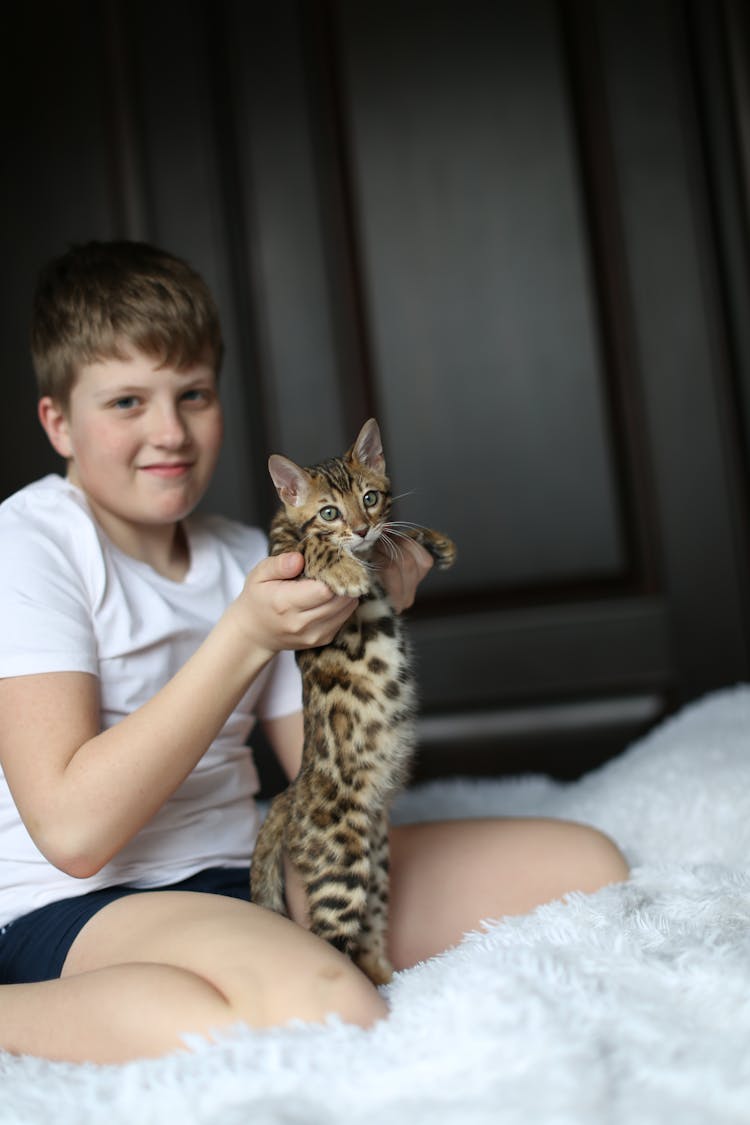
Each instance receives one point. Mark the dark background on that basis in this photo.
(516, 231)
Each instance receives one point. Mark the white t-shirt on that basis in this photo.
(71, 601)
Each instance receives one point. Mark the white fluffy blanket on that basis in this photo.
(630, 1005)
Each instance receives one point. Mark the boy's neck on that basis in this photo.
(164, 548)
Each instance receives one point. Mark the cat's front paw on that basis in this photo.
(442, 549)
(347, 577)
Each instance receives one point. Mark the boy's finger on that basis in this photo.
(280, 567)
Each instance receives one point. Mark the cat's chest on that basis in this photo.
(373, 637)
(369, 655)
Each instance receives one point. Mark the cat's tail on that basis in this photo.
(267, 866)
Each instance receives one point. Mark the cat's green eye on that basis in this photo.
(329, 513)
(370, 498)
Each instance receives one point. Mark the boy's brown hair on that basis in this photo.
(98, 298)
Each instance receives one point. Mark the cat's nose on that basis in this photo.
(361, 532)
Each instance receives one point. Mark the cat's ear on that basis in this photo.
(292, 483)
(368, 448)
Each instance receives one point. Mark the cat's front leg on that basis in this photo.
(442, 549)
(343, 574)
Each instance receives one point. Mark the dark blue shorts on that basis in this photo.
(34, 947)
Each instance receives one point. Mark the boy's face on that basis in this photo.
(141, 440)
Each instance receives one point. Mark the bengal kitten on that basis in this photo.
(358, 703)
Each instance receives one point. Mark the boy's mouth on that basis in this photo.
(168, 469)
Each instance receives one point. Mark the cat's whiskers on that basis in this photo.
(396, 525)
(304, 538)
(392, 548)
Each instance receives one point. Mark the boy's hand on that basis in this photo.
(278, 613)
(402, 575)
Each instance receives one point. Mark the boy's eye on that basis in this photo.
(370, 498)
(329, 513)
(127, 402)
(199, 397)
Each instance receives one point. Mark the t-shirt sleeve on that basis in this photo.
(46, 620)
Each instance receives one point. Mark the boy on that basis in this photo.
(140, 644)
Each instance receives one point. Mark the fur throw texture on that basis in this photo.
(631, 1005)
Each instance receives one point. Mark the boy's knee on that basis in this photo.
(318, 983)
(343, 990)
(605, 862)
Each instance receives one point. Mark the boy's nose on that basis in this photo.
(169, 430)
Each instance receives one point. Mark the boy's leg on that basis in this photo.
(107, 1016)
(446, 877)
(148, 969)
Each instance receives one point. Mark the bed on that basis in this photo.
(629, 1005)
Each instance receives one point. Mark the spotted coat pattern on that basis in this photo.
(359, 702)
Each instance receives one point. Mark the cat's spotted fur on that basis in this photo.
(358, 703)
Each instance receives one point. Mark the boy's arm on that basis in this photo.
(402, 575)
(84, 793)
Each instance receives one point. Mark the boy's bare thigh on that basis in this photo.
(148, 970)
(171, 927)
(447, 876)
(269, 969)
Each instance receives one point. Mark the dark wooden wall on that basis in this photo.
(514, 230)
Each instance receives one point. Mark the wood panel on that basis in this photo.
(518, 232)
(482, 317)
(58, 183)
(676, 302)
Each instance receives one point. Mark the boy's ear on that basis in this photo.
(55, 425)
